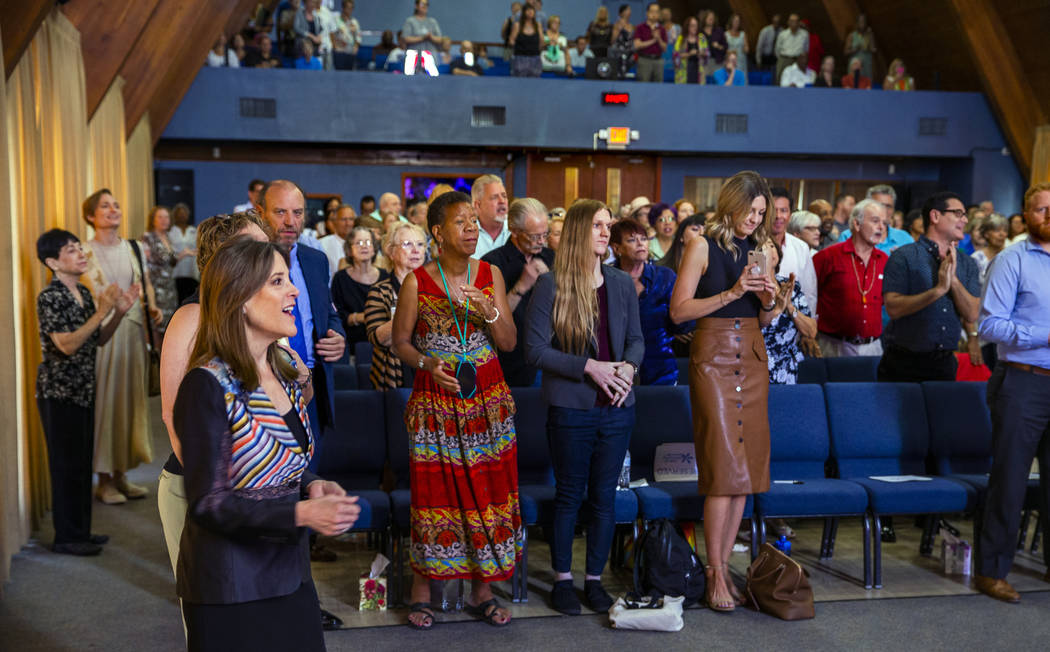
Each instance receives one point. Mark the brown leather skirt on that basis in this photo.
(729, 392)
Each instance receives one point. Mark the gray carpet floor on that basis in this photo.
(124, 600)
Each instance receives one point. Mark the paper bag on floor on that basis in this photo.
(956, 554)
(372, 586)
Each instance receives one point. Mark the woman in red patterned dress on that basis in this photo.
(452, 315)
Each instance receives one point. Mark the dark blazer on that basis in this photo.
(564, 382)
(237, 545)
(315, 270)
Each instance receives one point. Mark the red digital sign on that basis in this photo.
(616, 99)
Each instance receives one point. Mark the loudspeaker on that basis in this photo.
(173, 187)
(604, 68)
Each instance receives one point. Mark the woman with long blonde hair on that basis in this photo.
(583, 333)
(732, 299)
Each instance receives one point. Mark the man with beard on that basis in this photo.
(1015, 314)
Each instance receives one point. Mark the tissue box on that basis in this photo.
(957, 557)
(373, 593)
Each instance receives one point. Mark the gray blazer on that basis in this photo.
(564, 383)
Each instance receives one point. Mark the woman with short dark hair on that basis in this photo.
(584, 335)
(351, 285)
(240, 415)
(71, 330)
(452, 317)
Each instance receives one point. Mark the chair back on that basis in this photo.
(877, 428)
(857, 369)
(798, 432)
(397, 434)
(662, 414)
(353, 452)
(960, 426)
(530, 427)
(812, 371)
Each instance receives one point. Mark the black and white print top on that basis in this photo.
(782, 337)
(65, 377)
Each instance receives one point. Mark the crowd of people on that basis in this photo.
(466, 296)
(698, 49)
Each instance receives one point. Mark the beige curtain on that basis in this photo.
(47, 146)
(140, 176)
(108, 160)
(14, 518)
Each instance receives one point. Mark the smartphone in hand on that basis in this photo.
(757, 263)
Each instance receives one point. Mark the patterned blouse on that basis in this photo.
(782, 340)
(387, 371)
(65, 377)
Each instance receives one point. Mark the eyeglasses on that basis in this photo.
(537, 237)
(409, 244)
(667, 219)
(957, 212)
(363, 243)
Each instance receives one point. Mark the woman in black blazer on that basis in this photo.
(244, 561)
(583, 333)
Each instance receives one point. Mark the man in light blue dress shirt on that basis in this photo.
(1015, 314)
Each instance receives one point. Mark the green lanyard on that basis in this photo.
(462, 331)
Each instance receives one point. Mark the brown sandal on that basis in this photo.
(722, 606)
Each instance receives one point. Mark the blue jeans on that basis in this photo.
(587, 450)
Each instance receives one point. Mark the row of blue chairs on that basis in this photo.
(862, 369)
(826, 442)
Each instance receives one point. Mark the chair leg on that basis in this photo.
(928, 535)
(1037, 535)
(824, 539)
(876, 537)
(866, 526)
(755, 520)
(834, 533)
(762, 531)
(523, 580)
(1022, 533)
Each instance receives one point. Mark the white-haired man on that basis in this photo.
(490, 204)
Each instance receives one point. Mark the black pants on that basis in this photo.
(70, 433)
(903, 366)
(1021, 431)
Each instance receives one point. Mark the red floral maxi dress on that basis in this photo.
(466, 521)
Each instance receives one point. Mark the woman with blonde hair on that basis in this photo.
(599, 33)
(732, 298)
(897, 77)
(584, 334)
(405, 246)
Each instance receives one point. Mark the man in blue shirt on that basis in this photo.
(1015, 314)
(929, 289)
(887, 196)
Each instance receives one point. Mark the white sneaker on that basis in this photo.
(108, 494)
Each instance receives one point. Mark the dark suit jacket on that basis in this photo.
(564, 383)
(511, 263)
(237, 545)
(315, 270)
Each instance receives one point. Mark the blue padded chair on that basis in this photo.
(961, 440)
(799, 448)
(354, 455)
(663, 415)
(362, 371)
(535, 474)
(364, 56)
(683, 371)
(345, 376)
(862, 369)
(397, 443)
(880, 429)
(812, 371)
(363, 353)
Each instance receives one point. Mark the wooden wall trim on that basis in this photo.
(1001, 75)
(22, 18)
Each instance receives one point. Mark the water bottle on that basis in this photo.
(625, 473)
(783, 545)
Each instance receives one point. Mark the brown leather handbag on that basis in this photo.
(779, 586)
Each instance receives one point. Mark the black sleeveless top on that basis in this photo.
(723, 270)
(527, 45)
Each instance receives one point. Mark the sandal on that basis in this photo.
(723, 606)
(421, 608)
(738, 597)
(486, 611)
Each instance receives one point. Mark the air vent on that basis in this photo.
(933, 126)
(730, 123)
(488, 116)
(258, 107)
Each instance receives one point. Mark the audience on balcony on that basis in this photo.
(730, 75)
(860, 45)
(690, 52)
(898, 79)
(736, 41)
(599, 33)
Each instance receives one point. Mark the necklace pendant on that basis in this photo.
(864, 299)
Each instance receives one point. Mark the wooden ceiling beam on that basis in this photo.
(108, 32)
(1004, 81)
(22, 18)
(187, 62)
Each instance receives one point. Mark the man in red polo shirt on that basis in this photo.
(849, 287)
(650, 41)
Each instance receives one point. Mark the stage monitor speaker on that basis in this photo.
(173, 187)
